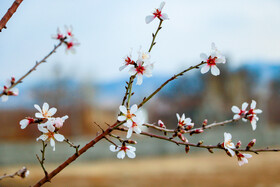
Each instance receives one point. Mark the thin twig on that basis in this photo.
(110, 141)
(199, 144)
(76, 147)
(42, 160)
(34, 67)
(9, 14)
(165, 83)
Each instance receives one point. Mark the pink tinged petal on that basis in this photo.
(254, 124)
(149, 19)
(42, 137)
(161, 6)
(130, 154)
(123, 109)
(59, 137)
(113, 148)
(215, 70)
(164, 16)
(45, 107)
(52, 111)
(244, 105)
(52, 142)
(23, 123)
(231, 152)
(4, 98)
(38, 108)
(241, 162)
(253, 104)
(205, 69)
(204, 57)
(235, 109)
(133, 109)
(121, 118)
(129, 132)
(139, 79)
(42, 129)
(236, 116)
(121, 155)
(258, 111)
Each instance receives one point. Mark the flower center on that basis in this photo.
(124, 148)
(140, 69)
(228, 143)
(50, 134)
(157, 13)
(241, 112)
(70, 45)
(181, 123)
(211, 61)
(59, 36)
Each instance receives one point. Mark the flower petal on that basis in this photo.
(253, 104)
(205, 69)
(113, 148)
(42, 137)
(121, 118)
(244, 105)
(121, 155)
(149, 19)
(129, 132)
(235, 109)
(215, 70)
(52, 142)
(139, 79)
(59, 137)
(52, 111)
(23, 123)
(130, 154)
(133, 109)
(204, 57)
(236, 116)
(45, 107)
(123, 109)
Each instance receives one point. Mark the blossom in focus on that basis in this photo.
(127, 61)
(239, 112)
(228, 143)
(128, 115)
(45, 112)
(184, 122)
(136, 126)
(50, 135)
(122, 150)
(252, 114)
(25, 122)
(140, 70)
(243, 158)
(157, 14)
(211, 61)
(59, 35)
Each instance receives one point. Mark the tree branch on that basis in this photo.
(9, 14)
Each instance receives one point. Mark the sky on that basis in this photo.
(242, 30)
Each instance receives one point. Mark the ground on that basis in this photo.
(193, 169)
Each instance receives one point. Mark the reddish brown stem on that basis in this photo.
(9, 14)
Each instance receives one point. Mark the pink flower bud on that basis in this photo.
(161, 124)
(238, 144)
(131, 142)
(251, 144)
(204, 122)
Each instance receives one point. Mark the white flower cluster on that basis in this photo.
(48, 125)
(141, 67)
(250, 115)
(68, 33)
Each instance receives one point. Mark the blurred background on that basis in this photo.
(88, 87)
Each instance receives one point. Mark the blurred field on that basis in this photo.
(182, 170)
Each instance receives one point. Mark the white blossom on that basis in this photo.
(157, 14)
(123, 150)
(228, 143)
(45, 112)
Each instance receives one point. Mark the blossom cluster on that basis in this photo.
(250, 115)
(7, 90)
(70, 44)
(47, 124)
(141, 67)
